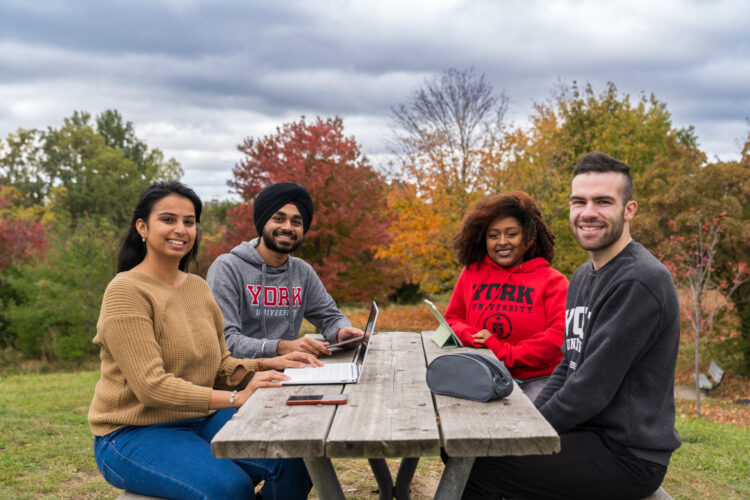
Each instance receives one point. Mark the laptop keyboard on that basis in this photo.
(332, 371)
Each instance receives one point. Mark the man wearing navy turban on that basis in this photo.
(264, 293)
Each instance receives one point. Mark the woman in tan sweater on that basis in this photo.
(168, 382)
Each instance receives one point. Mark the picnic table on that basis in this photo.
(390, 413)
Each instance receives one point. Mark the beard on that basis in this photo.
(270, 243)
(610, 236)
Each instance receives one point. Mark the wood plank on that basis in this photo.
(266, 427)
(510, 426)
(390, 411)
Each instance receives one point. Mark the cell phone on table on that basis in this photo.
(317, 399)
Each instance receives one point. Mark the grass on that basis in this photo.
(713, 461)
(46, 449)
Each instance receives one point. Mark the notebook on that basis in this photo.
(336, 373)
(443, 336)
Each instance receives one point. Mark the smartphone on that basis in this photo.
(317, 399)
(344, 342)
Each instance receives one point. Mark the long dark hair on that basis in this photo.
(133, 248)
(470, 240)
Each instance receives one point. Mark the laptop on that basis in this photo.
(444, 336)
(336, 373)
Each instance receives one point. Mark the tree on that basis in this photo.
(58, 299)
(448, 138)
(442, 133)
(577, 121)
(349, 201)
(91, 172)
(101, 180)
(20, 166)
(692, 267)
(718, 187)
(21, 240)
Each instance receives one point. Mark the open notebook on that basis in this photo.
(337, 373)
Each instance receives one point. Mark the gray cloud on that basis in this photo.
(196, 77)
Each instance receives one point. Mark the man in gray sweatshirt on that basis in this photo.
(264, 293)
(611, 398)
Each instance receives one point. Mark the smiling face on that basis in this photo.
(599, 216)
(171, 228)
(505, 245)
(283, 232)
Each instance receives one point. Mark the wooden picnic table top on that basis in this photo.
(389, 413)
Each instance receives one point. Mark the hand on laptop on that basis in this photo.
(303, 344)
(347, 332)
(294, 359)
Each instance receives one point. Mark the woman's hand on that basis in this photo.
(294, 359)
(268, 378)
(481, 336)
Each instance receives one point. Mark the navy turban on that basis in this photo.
(275, 196)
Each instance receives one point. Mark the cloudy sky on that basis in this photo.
(196, 77)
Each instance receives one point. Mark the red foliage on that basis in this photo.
(20, 240)
(349, 199)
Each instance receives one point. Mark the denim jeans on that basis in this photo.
(173, 460)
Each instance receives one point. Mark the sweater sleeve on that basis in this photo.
(320, 308)
(623, 329)
(555, 381)
(229, 365)
(541, 348)
(456, 313)
(227, 291)
(128, 332)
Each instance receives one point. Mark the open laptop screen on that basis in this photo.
(369, 330)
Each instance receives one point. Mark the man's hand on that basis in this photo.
(347, 332)
(294, 359)
(303, 344)
(481, 336)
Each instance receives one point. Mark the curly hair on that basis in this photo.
(470, 240)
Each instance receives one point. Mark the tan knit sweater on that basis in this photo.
(162, 350)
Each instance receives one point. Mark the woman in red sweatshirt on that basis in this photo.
(508, 298)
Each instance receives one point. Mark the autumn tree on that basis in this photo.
(350, 220)
(21, 239)
(447, 137)
(79, 182)
(692, 265)
(717, 187)
(576, 121)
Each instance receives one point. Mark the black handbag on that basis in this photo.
(469, 376)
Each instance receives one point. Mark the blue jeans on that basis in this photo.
(173, 460)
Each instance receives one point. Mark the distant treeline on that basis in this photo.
(66, 195)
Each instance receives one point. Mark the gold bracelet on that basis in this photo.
(260, 365)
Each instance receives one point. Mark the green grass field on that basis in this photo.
(46, 449)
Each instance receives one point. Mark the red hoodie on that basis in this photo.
(523, 307)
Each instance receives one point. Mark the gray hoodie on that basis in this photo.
(263, 304)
